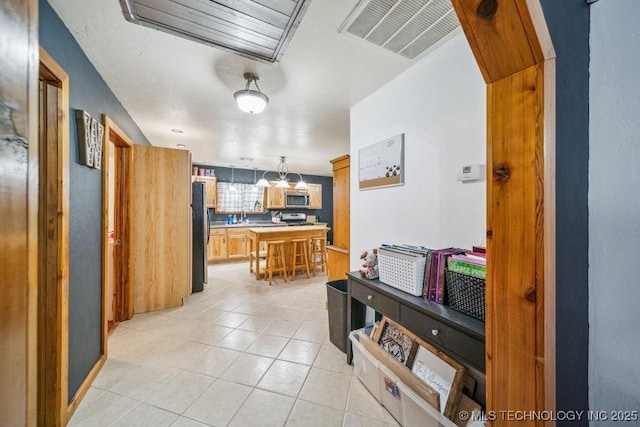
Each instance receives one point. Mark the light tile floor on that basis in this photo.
(240, 353)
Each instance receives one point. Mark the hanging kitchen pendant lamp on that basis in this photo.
(232, 187)
(249, 100)
(282, 171)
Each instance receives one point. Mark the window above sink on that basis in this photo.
(234, 198)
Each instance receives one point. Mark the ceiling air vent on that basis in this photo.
(258, 29)
(405, 27)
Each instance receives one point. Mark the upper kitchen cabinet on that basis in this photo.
(211, 188)
(275, 197)
(315, 196)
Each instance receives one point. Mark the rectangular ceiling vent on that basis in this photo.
(408, 28)
(258, 29)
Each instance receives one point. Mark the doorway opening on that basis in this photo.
(116, 198)
(53, 237)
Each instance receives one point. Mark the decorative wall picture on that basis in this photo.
(85, 141)
(382, 164)
(396, 340)
(97, 152)
(90, 134)
(440, 372)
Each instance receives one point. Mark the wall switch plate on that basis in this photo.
(469, 173)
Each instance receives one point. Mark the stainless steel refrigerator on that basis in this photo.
(200, 221)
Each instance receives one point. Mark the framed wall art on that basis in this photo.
(437, 370)
(97, 152)
(85, 140)
(90, 134)
(395, 340)
(382, 164)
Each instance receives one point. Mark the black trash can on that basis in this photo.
(337, 304)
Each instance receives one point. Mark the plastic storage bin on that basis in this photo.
(405, 406)
(365, 366)
(404, 271)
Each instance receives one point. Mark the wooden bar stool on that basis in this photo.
(299, 256)
(275, 260)
(318, 253)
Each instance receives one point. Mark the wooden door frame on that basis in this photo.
(513, 49)
(53, 290)
(123, 189)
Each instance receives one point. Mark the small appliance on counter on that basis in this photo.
(295, 218)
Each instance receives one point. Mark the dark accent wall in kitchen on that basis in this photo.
(87, 91)
(246, 176)
(568, 23)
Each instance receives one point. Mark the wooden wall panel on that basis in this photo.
(338, 263)
(501, 48)
(18, 210)
(161, 243)
(515, 199)
(513, 48)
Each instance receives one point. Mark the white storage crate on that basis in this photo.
(407, 408)
(402, 271)
(365, 366)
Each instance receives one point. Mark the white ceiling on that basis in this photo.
(167, 82)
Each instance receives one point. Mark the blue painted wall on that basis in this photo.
(246, 176)
(87, 91)
(568, 22)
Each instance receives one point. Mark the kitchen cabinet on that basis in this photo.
(338, 253)
(217, 247)
(210, 183)
(315, 196)
(237, 243)
(228, 244)
(275, 197)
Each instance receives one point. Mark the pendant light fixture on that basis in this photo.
(249, 100)
(282, 171)
(232, 187)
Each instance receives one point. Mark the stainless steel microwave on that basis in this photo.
(296, 200)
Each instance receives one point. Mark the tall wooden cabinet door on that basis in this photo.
(161, 241)
(341, 203)
(211, 189)
(217, 247)
(237, 244)
(315, 196)
(275, 197)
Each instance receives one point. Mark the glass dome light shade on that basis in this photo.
(262, 183)
(251, 101)
(301, 185)
(282, 183)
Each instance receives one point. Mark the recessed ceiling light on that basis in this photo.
(181, 145)
(247, 159)
(177, 131)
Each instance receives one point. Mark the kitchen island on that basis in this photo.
(286, 233)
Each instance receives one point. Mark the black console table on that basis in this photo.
(460, 336)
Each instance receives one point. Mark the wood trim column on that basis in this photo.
(53, 290)
(512, 46)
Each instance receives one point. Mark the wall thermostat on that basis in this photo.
(468, 173)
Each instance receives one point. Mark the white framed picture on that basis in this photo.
(441, 373)
(382, 164)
